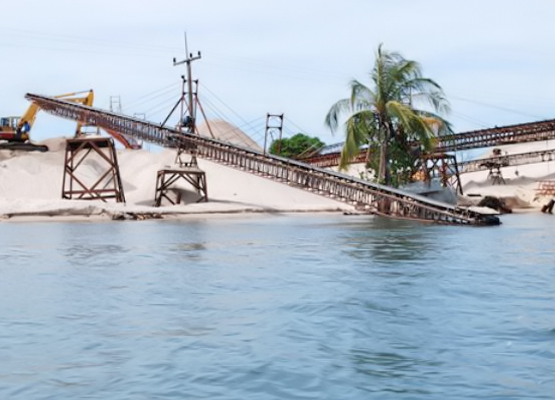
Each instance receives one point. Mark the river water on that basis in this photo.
(277, 307)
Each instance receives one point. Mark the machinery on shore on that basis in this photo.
(15, 131)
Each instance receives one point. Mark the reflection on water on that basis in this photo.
(384, 241)
(90, 255)
(336, 307)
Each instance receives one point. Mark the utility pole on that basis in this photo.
(190, 58)
(115, 104)
(274, 122)
(190, 121)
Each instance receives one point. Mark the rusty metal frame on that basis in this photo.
(166, 178)
(508, 160)
(74, 186)
(497, 136)
(546, 188)
(443, 166)
(341, 187)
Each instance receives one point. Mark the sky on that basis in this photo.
(494, 59)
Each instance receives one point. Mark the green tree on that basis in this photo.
(297, 146)
(391, 118)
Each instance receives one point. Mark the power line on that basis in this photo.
(226, 105)
(497, 107)
(153, 95)
(164, 105)
(73, 39)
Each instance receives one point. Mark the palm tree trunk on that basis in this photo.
(384, 205)
(383, 173)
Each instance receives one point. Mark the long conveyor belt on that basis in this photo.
(490, 137)
(372, 197)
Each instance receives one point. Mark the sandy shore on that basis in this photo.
(31, 187)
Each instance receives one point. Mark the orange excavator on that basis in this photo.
(15, 131)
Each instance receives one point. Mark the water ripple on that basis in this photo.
(277, 307)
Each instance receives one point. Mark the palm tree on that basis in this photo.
(389, 114)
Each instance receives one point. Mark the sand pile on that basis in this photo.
(519, 188)
(519, 185)
(31, 185)
(226, 132)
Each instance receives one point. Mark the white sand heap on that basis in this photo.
(31, 184)
(519, 185)
(226, 132)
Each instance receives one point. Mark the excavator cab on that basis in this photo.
(9, 122)
(12, 130)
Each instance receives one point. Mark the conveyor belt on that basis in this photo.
(372, 197)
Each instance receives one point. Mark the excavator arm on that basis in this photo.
(85, 100)
(27, 120)
(16, 129)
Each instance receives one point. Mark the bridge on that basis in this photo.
(374, 198)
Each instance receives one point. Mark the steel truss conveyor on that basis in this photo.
(491, 137)
(507, 160)
(371, 197)
(498, 136)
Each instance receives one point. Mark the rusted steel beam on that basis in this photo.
(546, 188)
(507, 160)
(166, 178)
(375, 198)
(76, 186)
(511, 134)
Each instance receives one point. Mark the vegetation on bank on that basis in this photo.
(296, 147)
(395, 118)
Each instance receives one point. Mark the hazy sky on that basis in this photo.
(495, 59)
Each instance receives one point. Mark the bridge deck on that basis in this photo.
(371, 197)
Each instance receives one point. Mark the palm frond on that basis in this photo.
(335, 112)
(394, 111)
(355, 137)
